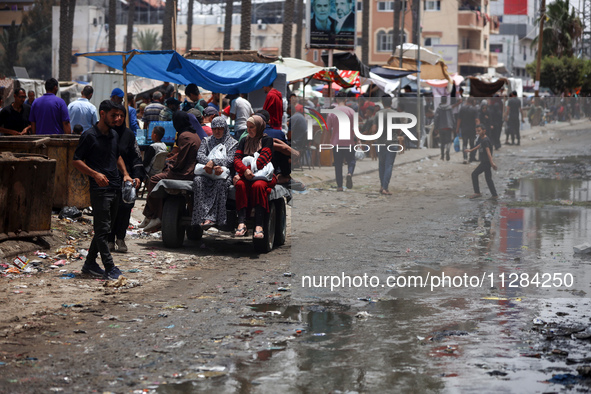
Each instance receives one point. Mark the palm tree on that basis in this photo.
(397, 36)
(562, 28)
(67, 8)
(228, 24)
(148, 40)
(299, 26)
(10, 40)
(167, 30)
(130, 16)
(112, 24)
(416, 23)
(189, 44)
(245, 9)
(287, 28)
(365, 32)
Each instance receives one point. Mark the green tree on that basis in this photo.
(148, 40)
(36, 53)
(560, 74)
(10, 40)
(562, 29)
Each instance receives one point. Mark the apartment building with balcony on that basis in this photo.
(13, 11)
(460, 30)
(513, 44)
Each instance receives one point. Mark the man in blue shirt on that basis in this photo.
(82, 111)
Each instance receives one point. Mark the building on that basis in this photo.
(513, 44)
(13, 11)
(460, 31)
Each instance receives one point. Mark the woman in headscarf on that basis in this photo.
(251, 193)
(210, 195)
(180, 168)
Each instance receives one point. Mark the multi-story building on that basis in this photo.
(13, 11)
(460, 31)
(513, 44)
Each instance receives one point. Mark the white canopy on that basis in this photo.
(410, 51)
(295, 69)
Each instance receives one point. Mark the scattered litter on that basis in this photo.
(565, 379)
(68, 251)
(287, 274)
(70, 213)
(20, 262)
(60, 263)
(539, 322)
(362, 315)
(171, 326)
(79, 332)
(319, 334)
(582, 248)
(497, 373)
(68, 276)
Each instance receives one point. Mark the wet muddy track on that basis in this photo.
(204, 329)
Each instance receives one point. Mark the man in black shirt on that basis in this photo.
(467, 119)
(486, 162)
(14, 118)
(98, 156)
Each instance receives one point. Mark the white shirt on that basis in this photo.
(243, 110)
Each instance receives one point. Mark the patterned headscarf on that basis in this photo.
(226, 139)
(254, 144)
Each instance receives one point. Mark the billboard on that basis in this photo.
(331, 24)
(515, 7)
(449, 53)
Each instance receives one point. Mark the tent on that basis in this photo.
(409, 51)
(220, 77)
(295, 69)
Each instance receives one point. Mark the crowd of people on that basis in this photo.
(253, 158)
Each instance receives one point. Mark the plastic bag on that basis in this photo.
(265, 173)
(69, 212)
(128, 194)
(217, 153)
(359, 155)
(457, 143)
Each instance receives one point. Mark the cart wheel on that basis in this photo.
(173, 234)
(281, 222)
(265, 244)
(194, 233)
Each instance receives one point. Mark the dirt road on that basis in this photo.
(216, 317)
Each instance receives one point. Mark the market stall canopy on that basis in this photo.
(428, 71)
(347, 61)
(389, 73)
(480, 88)
(247, 56)
(220, 77)
(295, 69)
(345, 79)
(409, 51)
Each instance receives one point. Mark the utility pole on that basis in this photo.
(539, 54)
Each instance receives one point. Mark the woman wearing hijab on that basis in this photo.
(251, 193)
(210, 195)
(181, 168)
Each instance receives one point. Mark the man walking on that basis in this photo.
(97, 156)
(82, 111)
(467, 127)
(514, 118)
(343, 148)
(49, 113)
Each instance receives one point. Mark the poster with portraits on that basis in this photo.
(331, 24)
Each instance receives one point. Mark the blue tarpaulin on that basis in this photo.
(218, 76)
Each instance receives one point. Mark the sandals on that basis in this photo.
(259, 235)
(241, 232)
(385, 192)
(476, 195)
(207, 224)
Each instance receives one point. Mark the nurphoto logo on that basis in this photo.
(392, 120)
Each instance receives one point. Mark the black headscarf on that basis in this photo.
(182, 122)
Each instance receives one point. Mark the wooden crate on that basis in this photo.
(26, 190)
